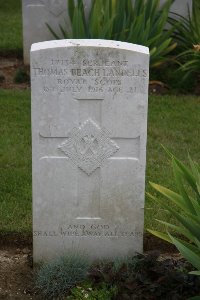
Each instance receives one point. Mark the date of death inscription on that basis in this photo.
(92, 230)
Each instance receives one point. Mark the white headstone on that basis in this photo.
(180, 7)
(89, 127)
(36, 13)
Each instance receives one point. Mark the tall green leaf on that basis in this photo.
(188, 213)
(142, 22)
(182, 191)
(191, 256)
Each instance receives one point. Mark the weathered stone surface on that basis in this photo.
(38, 13)
(89, 126)
(180, 7)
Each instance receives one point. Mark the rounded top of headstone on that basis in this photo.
(89, 43)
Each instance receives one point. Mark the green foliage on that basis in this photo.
(140, 23)
(191, 62)
(145, 26)
(15, 161)
(187, 30)
(187, 36)
(87, 291)
(21, 76)
(56, 277)
(187, 211)
(196, 10)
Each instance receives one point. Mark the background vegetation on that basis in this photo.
(145, 24)
(11, 26)
(140, 23)
(15, 161)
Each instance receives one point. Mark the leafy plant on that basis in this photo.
(141, 23)
(146, 26)
(187, 212)
(196, 9)
(186, 30)
(87, 291)
(191, 64)
(21, 76)
(99, 25)
(187, 36)
(56, 277)
(146, 277)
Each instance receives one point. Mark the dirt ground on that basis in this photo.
(17, 272)
(9, 66)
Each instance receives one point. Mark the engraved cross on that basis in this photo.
(90, 146)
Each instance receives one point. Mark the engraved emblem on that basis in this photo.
(88, 146)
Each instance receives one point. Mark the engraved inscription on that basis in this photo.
(90, 72)
(88, 146)
(86, 230)
(93, 76)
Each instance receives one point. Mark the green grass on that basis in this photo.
(172, 121)
(10, 26)
(15, 161)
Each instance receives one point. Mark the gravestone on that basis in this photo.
(180, 7)
(89, 127)
(36, 13)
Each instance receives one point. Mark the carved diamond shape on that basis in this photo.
(88, 146)
(56, 7)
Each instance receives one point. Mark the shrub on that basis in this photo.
(187, 36)
(141, 23)
(21, 76)
(54, 278)
(186, 30)
(86, 291)
(2, 78)
(191, 64)
(146, 277)
(187, 212)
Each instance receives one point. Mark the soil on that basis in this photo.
(16, 272)
(158, 88)
(16, 269)
(16, 278)
(8, 69)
